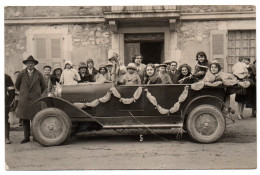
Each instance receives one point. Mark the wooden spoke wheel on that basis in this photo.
(51, 127)
(206, 124)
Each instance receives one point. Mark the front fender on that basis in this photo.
(70, 109)
(205, 99)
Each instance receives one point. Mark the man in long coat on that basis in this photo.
(31, 84)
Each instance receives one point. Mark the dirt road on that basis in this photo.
(111, 150)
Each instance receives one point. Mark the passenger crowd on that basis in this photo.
(30, 84)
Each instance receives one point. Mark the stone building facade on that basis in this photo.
(159, 33)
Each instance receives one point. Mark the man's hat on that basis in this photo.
(30, 58)
(82, 65)
(109, 64)
(46, 66)
(167, 62)
(56, 66)
(162, 65)
(90, 60)
(131, 66)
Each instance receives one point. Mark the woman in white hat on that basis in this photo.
(69, 76)
(130, 78)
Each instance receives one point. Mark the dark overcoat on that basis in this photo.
(30, 90)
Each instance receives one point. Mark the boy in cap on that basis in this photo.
(46, 73)
(91, 69)
(166, 79)
(69, 76)
(131, 77)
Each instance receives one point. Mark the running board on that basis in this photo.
(179, 125)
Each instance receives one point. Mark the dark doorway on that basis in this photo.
(150, 45)
(152, 52)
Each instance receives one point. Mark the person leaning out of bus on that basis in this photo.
(185, 76)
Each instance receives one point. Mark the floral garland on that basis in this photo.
(175, 107)
(107, 97)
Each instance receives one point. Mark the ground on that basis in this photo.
(108, 149)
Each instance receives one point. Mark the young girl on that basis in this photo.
(151, 75)
(185, 76)
(69, 76)
(131, 77)
(102, 76)
(202, 65)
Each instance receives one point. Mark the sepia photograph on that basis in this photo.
(134, 87)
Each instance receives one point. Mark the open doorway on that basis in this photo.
(152, 52)
(151, 46)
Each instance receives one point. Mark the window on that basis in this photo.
(241, 43)
(48, 50)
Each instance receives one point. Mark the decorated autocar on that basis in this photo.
(198, 109)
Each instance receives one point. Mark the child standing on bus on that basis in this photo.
(131, 77)
(69, 76)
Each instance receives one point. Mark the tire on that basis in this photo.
(206, 124)
(51, 127)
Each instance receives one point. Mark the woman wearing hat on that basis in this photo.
(30, 83)
(91, 69)
(69, 76)
(185, 76)
(102, 76)
(166, 79)
(140, 67)
(130, 78)
(84, 77)
(55, 78)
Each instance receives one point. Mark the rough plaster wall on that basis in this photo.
(52, 11)
(215, 8)
(90, 41)
(196, 34)
(15, 46)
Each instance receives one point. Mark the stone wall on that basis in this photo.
(194, 37)
(216, 8)
(88, 41)
(52, 11)
(15, 46)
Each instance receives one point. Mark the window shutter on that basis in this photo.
(40, 48)
(55, 48)
(218, 47)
